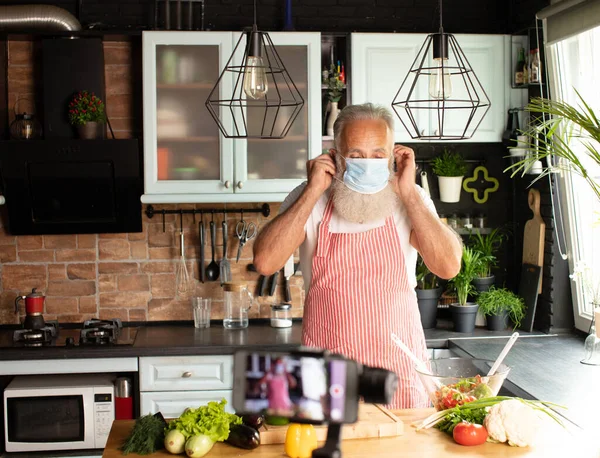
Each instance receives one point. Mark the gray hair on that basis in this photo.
(359, 112)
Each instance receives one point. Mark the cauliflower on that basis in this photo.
(512, 421)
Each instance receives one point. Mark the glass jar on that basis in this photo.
(281, 315)
(480, 221)
(237, 301)
(453, 221)
(466, 222)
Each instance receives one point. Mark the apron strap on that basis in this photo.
(324, 234)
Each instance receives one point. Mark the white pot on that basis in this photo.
(480, 319)
(333, 114)
(450, 189)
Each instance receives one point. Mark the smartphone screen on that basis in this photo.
(304, 387)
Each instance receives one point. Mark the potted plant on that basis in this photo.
(428, 294)
(463, 312)
(487, 245)
(498, 305)
(450, 168)
(335, 90)
(86, 113)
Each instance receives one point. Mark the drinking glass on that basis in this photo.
(201, 309)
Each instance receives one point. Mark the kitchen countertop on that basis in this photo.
(183, 339)
(548, 369)
(427, 443)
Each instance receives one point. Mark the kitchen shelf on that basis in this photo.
(323, 86)
(186, 139)
(293, 138)
(475, 230)
(327, 138)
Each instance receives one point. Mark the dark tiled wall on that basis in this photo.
(467, 16)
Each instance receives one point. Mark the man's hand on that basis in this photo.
(403, 182)
(320, 172)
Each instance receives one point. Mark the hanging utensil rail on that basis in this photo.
(265, 210)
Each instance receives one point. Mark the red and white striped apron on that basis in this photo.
(359, 295)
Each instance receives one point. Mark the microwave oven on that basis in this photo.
(62, 412)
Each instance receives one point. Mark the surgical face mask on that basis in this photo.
(367, 176)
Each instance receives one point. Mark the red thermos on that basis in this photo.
(123, 399)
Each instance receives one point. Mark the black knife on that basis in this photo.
(273, 283)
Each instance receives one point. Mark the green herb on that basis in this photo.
(497, 301)
(335, 87)
(146, 437)
(425, 278)
(487, 245)
(471, 260)
(456, 415)
(449, 164)
(481, 405)
(210, 420)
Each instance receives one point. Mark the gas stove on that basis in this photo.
(92, 333)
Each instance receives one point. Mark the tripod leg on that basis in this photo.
(331, 449)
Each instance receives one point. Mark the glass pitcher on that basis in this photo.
(238, 301)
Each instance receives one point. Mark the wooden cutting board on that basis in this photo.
(534, 234)
(373, 421)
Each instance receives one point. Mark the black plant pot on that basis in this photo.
(497, 322)
(428, 304)
(464, 316)
(483, 284)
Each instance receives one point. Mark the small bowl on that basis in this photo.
(456, 381)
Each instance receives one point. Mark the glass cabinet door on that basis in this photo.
(278, 166)
(184, 150)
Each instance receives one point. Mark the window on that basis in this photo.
(573, 66)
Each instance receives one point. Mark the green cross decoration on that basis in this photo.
(486, 191)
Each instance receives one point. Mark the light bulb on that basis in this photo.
(440, 84)
(255, 78)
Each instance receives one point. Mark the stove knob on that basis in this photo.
(70, 341)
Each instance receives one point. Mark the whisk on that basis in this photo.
(183, 276)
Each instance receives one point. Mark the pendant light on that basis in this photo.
(264, 101)
(441, 98)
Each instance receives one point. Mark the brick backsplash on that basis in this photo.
(127, 276)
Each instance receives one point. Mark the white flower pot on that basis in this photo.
(333, 114)
(450, 189)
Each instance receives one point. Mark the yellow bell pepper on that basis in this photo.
(300, 441)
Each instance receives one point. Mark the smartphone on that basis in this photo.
(304, 386)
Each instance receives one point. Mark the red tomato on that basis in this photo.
(469, 434)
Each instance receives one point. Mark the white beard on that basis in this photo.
(361, 208)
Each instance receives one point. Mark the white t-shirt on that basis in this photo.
(341, 225)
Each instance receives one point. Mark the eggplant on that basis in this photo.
(254, 421)
(243, 436)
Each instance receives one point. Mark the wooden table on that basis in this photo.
(429, 443)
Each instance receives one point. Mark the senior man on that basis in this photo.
(359, 221)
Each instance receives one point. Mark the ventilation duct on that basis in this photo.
(39, 18)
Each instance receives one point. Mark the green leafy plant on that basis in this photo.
(425, 278)
(335, 87)
(487, 245)
(470, 265)
(571, 134)
(86, 107)
(449, 164)
(497, 301)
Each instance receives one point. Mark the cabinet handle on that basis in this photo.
(227, 184)
(186, 374)
(437, 132)
(240, 184)
(423, 133)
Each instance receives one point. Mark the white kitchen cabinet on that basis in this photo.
(172, 403)
(170, 384)
(381, 61)
(183, 373)
(486, 54)
(186, 158)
